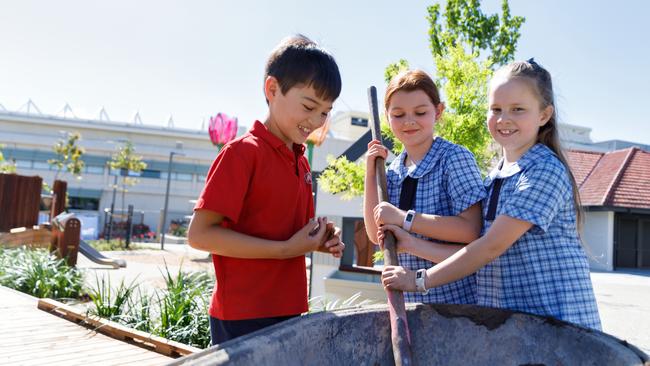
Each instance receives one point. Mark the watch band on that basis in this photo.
(408, 220)
(420, 276)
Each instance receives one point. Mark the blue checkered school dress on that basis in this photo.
(449, 182)
(545, 271)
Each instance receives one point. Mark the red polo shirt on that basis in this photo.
(264, 190)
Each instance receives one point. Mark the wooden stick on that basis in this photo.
(400, 334)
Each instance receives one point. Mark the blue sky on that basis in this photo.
(192, 59)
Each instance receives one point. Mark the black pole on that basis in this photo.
(110, 216)
(129, 225)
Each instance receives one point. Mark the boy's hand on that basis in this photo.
(387, 214)
(332, 243)
(404, 240)
(311, 236)
(375, 150)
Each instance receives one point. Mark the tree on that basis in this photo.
(466, 46)
(69, 155)
(126, 161)
(4, 166)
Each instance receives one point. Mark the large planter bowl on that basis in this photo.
(440, 335)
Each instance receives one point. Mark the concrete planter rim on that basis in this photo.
(479, 315)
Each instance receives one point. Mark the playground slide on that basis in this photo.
(97, 257)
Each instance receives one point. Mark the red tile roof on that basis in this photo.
(618, 179)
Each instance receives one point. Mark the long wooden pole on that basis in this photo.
(400, 334)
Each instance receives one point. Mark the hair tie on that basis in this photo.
(534, 64)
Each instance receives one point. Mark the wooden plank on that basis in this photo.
(118, 331)
(139, 359)
(53, 349)
(120, 351)
(71, 335)
(33, 337)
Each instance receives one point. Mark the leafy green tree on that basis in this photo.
(466, 46)
(6, 167)
(465, 25)
(68, 155)
(125, 160)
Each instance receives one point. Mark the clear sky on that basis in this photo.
(192, 59)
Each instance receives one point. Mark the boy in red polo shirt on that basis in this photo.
(255, 212)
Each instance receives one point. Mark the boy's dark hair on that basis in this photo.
(297, 60)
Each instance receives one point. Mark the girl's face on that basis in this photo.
(515, 115)
(411, 116)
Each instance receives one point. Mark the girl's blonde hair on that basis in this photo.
(540, 80)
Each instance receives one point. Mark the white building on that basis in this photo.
(28, 139)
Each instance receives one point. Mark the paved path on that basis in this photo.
(624, 304)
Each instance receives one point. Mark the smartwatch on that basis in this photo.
(408, 220)
(420, 275)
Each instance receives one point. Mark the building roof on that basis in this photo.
(619, 178)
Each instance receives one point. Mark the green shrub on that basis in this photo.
(183, 308)
(38, 273)
(179, 312)
(110, 303)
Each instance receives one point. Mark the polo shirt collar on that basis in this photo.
(426, 164)
(261, 131)
(537, 152)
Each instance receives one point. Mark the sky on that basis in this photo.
(193, 59)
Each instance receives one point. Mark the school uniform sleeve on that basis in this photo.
(226, 184)
(463, 179)
(538, 195)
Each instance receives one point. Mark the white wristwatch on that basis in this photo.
(420, 276)
(408, 220)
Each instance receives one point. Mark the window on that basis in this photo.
(186, 177)
(94, 169)
(148, 173)
(360, 254)
(356, 121)
(119, 172)
(83, 203)
(42, 165)
(25, 164)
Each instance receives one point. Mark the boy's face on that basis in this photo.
(294, 115)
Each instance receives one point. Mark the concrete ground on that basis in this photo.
(623, 296)
(624, 303)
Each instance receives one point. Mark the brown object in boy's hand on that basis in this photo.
(329, 233)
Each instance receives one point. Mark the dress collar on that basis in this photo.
(537, 152)
(438, 147)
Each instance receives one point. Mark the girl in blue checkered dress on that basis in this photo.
(530, 258)
(443, 178)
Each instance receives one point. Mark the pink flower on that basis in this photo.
(222, 129)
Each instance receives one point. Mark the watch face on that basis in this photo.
(409, 217)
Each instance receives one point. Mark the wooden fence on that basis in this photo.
(20, 199)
